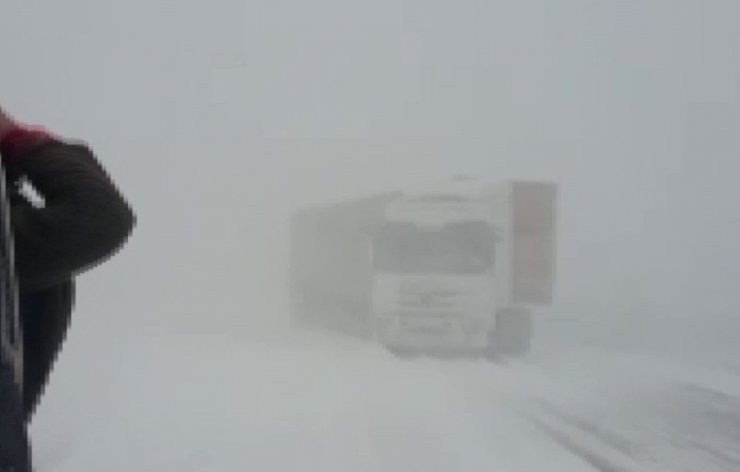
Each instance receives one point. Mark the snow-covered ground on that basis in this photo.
(318, 402)
(666, 392)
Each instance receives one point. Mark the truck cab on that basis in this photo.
(434, 270)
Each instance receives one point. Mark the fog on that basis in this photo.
(219, 119)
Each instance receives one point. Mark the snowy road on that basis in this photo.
(320, 403)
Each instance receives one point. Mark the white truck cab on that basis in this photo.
(434, 269)
(443, 263)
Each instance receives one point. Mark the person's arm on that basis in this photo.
(84, 218)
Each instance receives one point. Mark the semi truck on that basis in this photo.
(453, 267)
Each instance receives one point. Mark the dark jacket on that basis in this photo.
(83, 220)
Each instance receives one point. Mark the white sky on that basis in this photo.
(219, 117)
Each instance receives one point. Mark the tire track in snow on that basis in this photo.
(602, 452)
(590, 447)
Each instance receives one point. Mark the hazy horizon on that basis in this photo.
(218, 120)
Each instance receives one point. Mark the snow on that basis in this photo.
(671, 403)
(282, 401)
(297, 404)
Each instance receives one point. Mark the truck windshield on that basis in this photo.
(459, 248)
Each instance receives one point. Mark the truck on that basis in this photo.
(453, 267)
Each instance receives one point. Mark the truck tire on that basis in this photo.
(401, 353)
(512, 334)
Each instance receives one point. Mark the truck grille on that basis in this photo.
(428, 322)
(427, 299)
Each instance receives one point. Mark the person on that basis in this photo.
(77, 220)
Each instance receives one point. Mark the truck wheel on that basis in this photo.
(512, 335)
(489, 352)
(402, 353)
